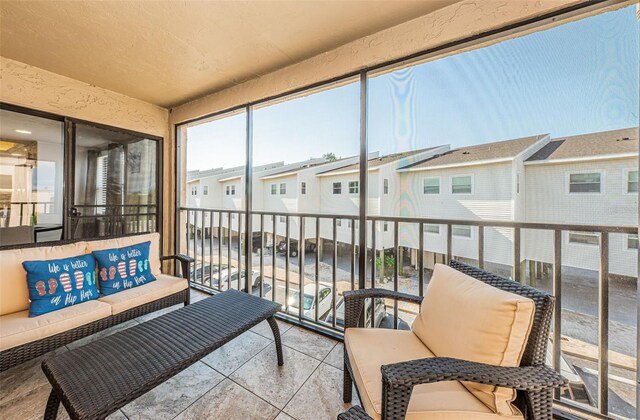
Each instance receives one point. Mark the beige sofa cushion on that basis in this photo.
(154, 248)
(464, 318)
(17, 328)
(369, 349)
(14, 294)
(164, 285)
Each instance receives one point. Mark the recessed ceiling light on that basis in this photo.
(23, 131)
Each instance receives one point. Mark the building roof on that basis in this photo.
(378, 161)
(489, 151)
(291, 171)
(587, 145)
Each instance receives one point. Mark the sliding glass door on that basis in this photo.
(114, 182)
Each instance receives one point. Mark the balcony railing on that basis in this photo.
(219, 241)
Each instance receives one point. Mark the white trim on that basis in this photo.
(583, 159)
(458, 165)
(460, 176)
(627, 171)
(627, 247)
(350, 171)
(567, 181)
(273, 189)
(231, 178)
(439, 178)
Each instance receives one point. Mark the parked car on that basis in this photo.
(282, 247)
(382, 318)
(228, 279)
(309, 301)
(257, 244)
(203, 276)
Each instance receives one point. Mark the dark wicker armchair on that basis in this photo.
(532, 379)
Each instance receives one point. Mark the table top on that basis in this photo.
(98, 378)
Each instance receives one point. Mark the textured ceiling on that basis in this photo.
(168, 52)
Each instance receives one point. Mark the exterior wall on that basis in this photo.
(38, 89)
(548, 200)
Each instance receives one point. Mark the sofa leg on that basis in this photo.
(53, 404)
(347, 386)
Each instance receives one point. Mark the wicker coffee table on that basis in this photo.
(97, 379)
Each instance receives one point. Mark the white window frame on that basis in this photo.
(303, 188)
(205, 190)
(431, 224)
(594, 234)
(470, 237)
(439, 185)
(283, 188)
(274, 189)
(354, 185)
(227, 190)
(629, 238)
(385, 226)
(385, 186)
(461, 176)
(584, 172)
(333, 188)
(627, 172)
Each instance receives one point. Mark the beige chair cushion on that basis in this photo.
(14, 294)
(154, 248)
(465, 318)
(369, 349)
(164, 285)
(17, 328)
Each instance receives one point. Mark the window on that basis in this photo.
(587, 238)
(632, 182)
(385, 185)
(432, 228)
(283, 219)
(233, 190)
(303, 188)
(274, 189)
(353, 187)
(461, 231)
(337, 188)
(338, 222)
(194, 190)
(431, 186)
(632, 240)
(205, 190)
(283, 188)
(227, 190)
(461, 184)
(584, 183)
(385, 226)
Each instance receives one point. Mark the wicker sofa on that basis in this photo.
(23, 338)
(475, 351)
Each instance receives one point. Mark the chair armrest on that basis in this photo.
(437, 369)
(354, 302)
(185, 263)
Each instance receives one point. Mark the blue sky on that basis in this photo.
(576, 78)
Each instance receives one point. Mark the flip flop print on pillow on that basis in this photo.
(79, 276)
(146, 264)
(140, 266)
(122, 269)
(40, 288)
(132, 267)
(53, 285)
(65, 280)
(112, 272)
(103, 274)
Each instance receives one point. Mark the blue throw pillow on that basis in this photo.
(123, 268)
(56, 284)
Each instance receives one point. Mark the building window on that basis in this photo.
(274, 189)
(233, 190)
(353, 187)
(233, 216)
(588, 238)
(632, 182)
(338, 222)
(303, 188)
(385, 226)
(632, 240)
(282, 219)
(431, 186)
(227, 190)
(337, 188)
(584, 183)
(461, 184)
(432, 228)
(385, 185)
(194, 190)
(205, 190)
(461, 231)
(283, 188)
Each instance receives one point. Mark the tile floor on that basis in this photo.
(241, 380)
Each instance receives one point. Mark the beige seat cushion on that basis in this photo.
(154, 248)
(369, 349)
(17, 328)
(14, 294)
(465, 318)
(164, 285)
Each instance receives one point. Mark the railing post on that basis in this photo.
(516, 254)
(396, 271)
(353, 253)
(364, 162)
(421, 259)
(557, 312)
(481, 246)
(603, 325)
(287, 239)
(261, 254)
(301, 256)
(317, 267)
(374, 253)
(246, 280)
(273, 259)
(334, 265)
(229, 256)
(449, 240)
(220, 251)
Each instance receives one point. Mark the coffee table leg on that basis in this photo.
(276, 335)
(53, 404)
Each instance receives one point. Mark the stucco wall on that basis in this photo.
(35, 88)
(455, 22)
